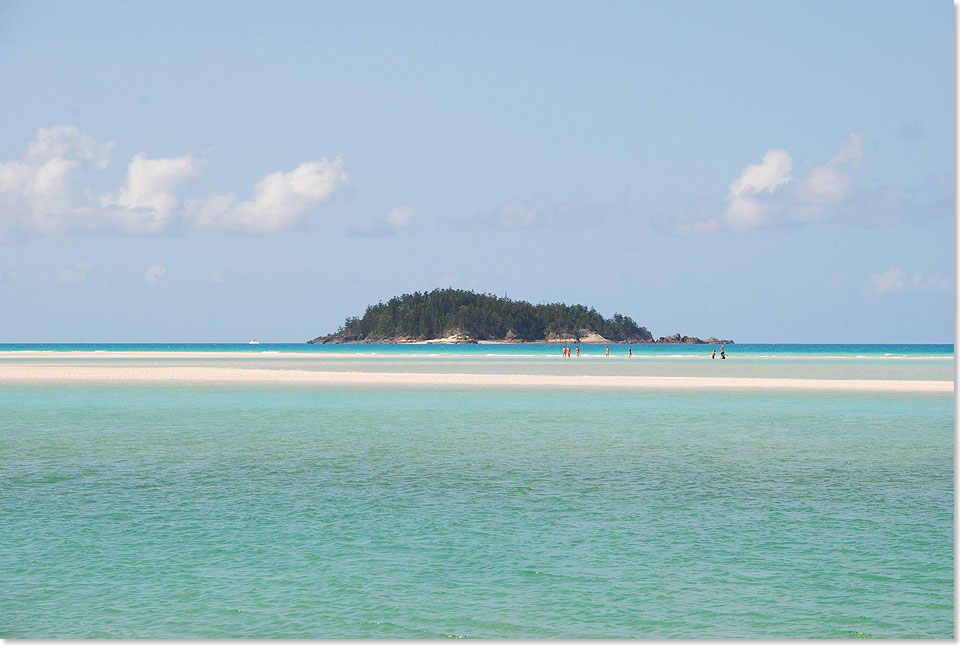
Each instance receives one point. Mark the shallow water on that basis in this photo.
(304, 511)
(895, 362)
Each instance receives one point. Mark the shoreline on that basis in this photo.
(13, 373)
(23, 355)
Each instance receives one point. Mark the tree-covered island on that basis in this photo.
(458, 316)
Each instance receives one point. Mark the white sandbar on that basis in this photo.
(43, 354)
(188, 374)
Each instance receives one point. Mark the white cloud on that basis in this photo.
(153, 273)
(69, 141)
(279, 203)
(767, 193)
(34, 191)
(920, 282)
(850, 151)
(36, 194)
(772, 172)
(894, 280)
(397, 218)
(825, 184)
(890, 281)
(401, 216)
(76, 273)
(148, 201)
(14, 175)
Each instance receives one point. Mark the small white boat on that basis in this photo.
(253, 342)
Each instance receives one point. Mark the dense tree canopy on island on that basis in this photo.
(443, 312)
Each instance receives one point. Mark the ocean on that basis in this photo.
(294, 510)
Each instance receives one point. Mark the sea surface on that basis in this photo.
(298, 510)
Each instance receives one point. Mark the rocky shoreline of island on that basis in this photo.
(460, 338)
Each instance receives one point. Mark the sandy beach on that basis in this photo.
(33, 372)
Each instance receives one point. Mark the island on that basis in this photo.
(456, 316)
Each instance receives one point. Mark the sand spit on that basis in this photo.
(188, 374)
(160, 355)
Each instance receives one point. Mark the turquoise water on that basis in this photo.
(749, 349)
(898, 362)
(302, 511)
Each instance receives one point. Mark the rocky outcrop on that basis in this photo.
(461, 338)
(591, 337)
(334, 339)
(456, 337)
(677, 339)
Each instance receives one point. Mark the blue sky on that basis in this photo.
(763, 171)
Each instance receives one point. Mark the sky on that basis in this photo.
(766, 171)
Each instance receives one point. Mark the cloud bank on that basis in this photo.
(39, 195)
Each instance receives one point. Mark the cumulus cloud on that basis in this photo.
(768, 193)
(894, 280)
(68, 141)
(148, 201)
(37, 194)
(34, 190)
(744, 211)
(280, 199)
(76, 273)
(153, 274)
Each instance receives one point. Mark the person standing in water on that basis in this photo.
(630, 351)
(578, 351)
(608, 351)
(714, 354)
